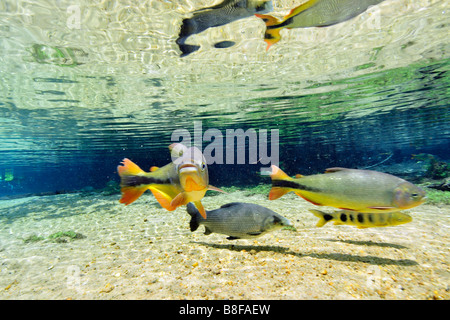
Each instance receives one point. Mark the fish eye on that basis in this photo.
(203, 166)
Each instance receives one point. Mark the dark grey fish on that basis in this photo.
(238, 220)
(223, 13)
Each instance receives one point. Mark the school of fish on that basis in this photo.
(367, 198)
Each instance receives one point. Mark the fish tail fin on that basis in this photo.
(128, 168)
(323, 217)
(276, 191)
(127, 171)
(193, 211)
(271, 35)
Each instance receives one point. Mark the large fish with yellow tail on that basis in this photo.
(314, 13)
(349, 189)
(362, 220)
(183, 180)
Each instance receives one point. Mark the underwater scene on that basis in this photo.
(225, 149)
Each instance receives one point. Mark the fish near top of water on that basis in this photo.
(218, 15)
(314, 13)
(183, 180)
(238, 220)
(362, 220)
(350, 189)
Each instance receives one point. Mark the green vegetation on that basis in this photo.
(33, 238)
(437, 197)
(59, 237)
(248, 191)
(435, 168)
(64, 236)
(60, 56)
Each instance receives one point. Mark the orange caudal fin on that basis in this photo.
(130, 194)
(272, 35)
(128, 168)
(278, 175)
(277, 192)
(126, 171)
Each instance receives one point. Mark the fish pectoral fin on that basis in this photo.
(232, 238)
(256, 233)
(334, 169)
(207, 231)
(216, 189)
(179, 200)
(164, 199)
(200, 208)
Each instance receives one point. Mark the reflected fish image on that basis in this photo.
(362, 220)
(314, 13)
(349, 189)
(223, 13)
(238, 220)
(182, 181)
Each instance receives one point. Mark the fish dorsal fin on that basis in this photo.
(298, 175)
(153, 169)
(335, 169)
(300, 8)
(231, 204)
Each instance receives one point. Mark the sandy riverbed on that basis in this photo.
(141, 251)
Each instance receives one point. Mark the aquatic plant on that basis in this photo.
(435, 169)
(112, 187)
(64, 236)
(248, 191)
(435, 197)
(60, 56)
(33, 238)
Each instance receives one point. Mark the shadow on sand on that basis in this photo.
(328, 256)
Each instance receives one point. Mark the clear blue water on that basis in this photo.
(76, 99)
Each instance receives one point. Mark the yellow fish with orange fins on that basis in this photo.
(362, 220)
(349, 189)
(314, 13)
(182, 181)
